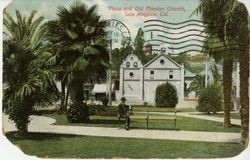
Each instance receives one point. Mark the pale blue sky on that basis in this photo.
(47, 8)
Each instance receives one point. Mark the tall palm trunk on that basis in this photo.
(62, 106)
(67, 98)
(76, 90)
(244, 88)
(227, 87)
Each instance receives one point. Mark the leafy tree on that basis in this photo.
(79, 39)
(182, 58)
(243, 38)
(166, 96)
(214, 27)
(198, 84)
(76, 113)
(217, 78)
(224, 26)
(26, 68)
(210, 99)
(118, 55)
(138, 44)
(139, 47)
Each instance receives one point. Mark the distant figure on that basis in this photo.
(124, 112)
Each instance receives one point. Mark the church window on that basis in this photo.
(152, 74)
(171, 74)
(127, 64)
(162, 61)
(131, 58)
(131, 74)
(135, 64)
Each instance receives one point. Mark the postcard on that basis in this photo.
(125, 79)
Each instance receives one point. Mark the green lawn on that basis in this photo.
(67, 146)
(183, 123)
(157, 109)
(232, 115)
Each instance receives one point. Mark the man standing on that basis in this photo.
(124, 112)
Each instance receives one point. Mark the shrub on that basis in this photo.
(104, 101)
(142, 105)
(111, 111)
(166, 96)
(77, 112)
(94, 109)
(103, 110)
(19, 113)
(210, 99)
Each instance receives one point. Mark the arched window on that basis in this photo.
(135, 64)
(127, 64)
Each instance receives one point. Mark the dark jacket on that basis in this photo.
(123, 109)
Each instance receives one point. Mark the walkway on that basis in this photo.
(210, 118)
(44, 125)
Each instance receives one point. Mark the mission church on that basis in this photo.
(138, 82)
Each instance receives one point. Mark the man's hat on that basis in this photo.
(123, 99)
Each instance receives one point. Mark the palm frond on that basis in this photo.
(71, 34)
(24, 91)
(80, 64)
(37, 36)
(77, 46)
(198, 83)
(90, 50)
(35, 25)
(32, 14)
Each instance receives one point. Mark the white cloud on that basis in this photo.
(133, 23)
(46, 10)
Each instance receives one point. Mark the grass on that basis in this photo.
(156, 109)
(232, 115)
(183, 123)
(69, 146)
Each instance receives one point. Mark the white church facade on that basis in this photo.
(138, 82)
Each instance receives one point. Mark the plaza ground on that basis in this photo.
(112, 142)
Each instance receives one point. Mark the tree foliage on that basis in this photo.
(27, 68)
(229, 23)
(198, 84)
(219, 43)
(77, 113)
(139, 49)
(182, 58)
(210, 99)
(166, 96)
(118, 55)
(78, 40)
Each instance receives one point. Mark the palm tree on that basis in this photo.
(242, 35)
(198, 84)
(26, 68)
(214, 27)
(224, 26)
(78, 39)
